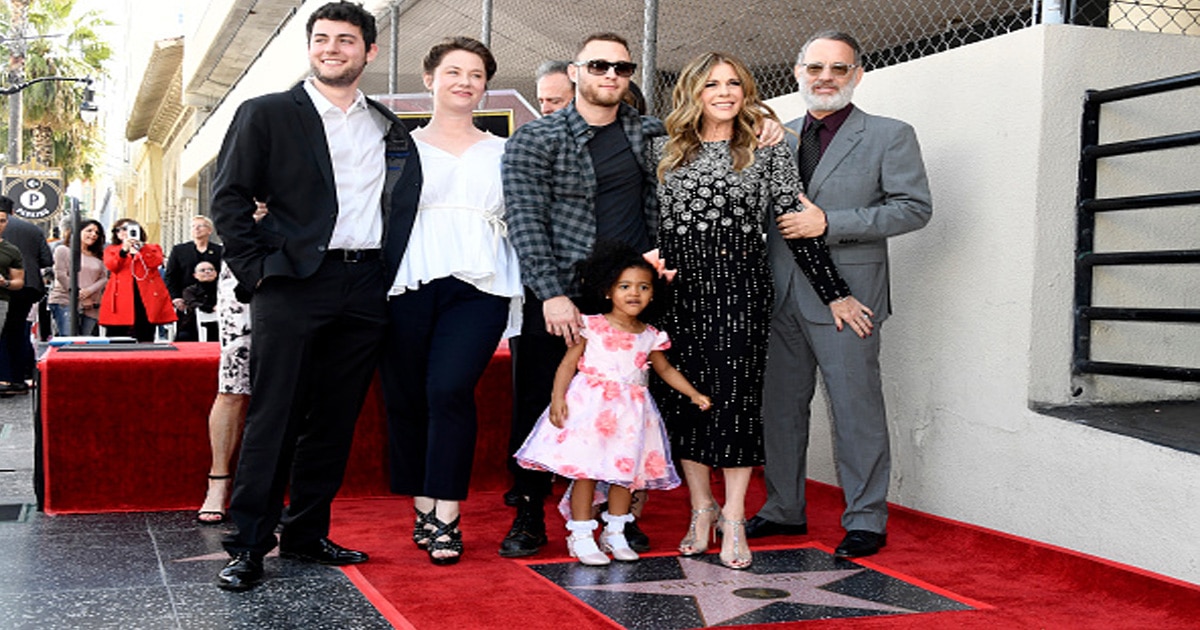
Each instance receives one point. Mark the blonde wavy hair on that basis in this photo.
(684, 122)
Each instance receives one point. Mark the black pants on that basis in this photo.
(315, 347)
(535, 361)
(16, 351)
(440, 340)
(142, 329)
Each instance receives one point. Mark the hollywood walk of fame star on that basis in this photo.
(724, 594)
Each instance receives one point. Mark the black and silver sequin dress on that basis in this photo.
(718, 308)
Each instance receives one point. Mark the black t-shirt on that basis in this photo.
(619, 188)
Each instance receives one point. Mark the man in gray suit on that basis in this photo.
(865, 182)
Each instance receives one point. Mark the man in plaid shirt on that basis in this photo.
(574, 177)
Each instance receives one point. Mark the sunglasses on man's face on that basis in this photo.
(600, 67)
(836, 69)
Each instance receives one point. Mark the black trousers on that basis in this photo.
(439, 342)
(535, 361)
(315, 347)
(16, 351)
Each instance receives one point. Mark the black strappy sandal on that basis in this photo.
(453, 543)
(206, 517)
(421, 534)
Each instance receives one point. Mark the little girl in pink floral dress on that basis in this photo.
(602, 425)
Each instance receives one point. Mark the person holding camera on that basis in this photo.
(135, 300)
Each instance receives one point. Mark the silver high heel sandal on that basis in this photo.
(612, 539)
(689, 545)
(582, 545)
(739, 560)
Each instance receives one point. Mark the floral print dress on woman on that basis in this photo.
(613, 431)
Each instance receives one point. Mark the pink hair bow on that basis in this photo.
(658, 264)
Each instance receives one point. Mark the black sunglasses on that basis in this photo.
(600, 67)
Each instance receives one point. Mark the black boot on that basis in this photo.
(528, 532)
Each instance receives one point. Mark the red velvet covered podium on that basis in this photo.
(127, 430)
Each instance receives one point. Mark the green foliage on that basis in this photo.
(52, 125)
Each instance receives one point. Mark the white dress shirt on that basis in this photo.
(356, 144)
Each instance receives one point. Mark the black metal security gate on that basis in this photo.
(1086, 260)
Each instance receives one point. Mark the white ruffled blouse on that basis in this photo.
(459, 230)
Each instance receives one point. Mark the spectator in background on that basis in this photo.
(199, 296)
(92, 278)
(135, 299)
(12, 273)
(554, 88)
(181, 265)
(16, 350)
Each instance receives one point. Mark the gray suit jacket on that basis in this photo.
(871, 184)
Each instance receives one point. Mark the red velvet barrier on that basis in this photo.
(128, 430)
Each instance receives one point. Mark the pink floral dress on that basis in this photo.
(613, 431)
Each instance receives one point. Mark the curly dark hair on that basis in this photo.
(599, 272)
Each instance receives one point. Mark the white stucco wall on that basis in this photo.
(983, 297)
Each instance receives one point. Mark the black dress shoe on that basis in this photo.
(244, 572)
(528, 533)
(859, 543)
(637, 539)
(323, 551)
(757, 527)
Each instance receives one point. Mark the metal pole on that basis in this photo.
(394, 43)
(650, 54)
(16, 75)
(76, 259)
(1052, 12)
(485, 31)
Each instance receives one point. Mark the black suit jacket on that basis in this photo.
(275, 151)
(181, 265)
(35, 253)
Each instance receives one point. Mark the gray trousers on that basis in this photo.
(849, 367)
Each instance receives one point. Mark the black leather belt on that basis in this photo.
(353, 255)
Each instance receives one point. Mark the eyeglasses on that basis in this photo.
(600, 67)
(836, 69)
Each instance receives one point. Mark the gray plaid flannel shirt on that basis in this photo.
(550, 191)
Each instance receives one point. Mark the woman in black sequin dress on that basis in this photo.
(716, 190)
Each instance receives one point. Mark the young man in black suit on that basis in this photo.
(341, 177)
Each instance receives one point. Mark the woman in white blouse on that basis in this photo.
(456, 294)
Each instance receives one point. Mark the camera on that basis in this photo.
(133, 232)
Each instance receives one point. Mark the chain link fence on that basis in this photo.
(766, 34)
(1178, 17)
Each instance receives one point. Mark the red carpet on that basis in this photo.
(1009, 582)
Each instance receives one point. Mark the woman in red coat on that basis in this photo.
(135, 300)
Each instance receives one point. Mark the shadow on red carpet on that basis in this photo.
(1013, 583)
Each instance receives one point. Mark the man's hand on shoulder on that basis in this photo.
(770, 132)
